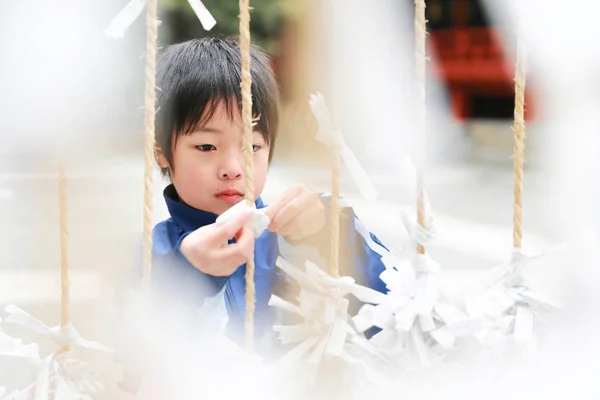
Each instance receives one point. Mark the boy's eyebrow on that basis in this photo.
(209, 129)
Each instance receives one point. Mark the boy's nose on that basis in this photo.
(231, 175)
(232, 168)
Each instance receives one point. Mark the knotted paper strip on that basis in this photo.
(326, 328)
(509, 306)
(419, 325)
(258, 223)
(61, 336)
(333, 137)
(58, 376)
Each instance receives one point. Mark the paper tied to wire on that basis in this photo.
(509, 305)
(258, 222)
(131, 12)
(332, 137)
(418, 323)
(59, 378)
(61, 336)
(407, 174)
(417, 235)
(326, 329)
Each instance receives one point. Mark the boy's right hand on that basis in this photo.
(206, 248)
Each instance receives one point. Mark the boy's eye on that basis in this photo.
(206, 147)
(256, 147)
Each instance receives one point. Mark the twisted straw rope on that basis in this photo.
(421, 58)
(150, 111)
(519, 145)
(248, 156)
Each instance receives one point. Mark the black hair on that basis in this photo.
(195, 77)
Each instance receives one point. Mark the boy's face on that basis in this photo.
(208, 165)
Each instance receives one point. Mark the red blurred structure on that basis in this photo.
(469, 57)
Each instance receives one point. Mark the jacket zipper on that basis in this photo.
(230, 295)
(231, 298)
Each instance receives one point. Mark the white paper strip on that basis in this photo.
(523, 326)
(337, 337)
(326, 330)
(12, 347)
(117, 27)
(299, 351)
(205, 17)
(508, 307)
(62, 336)
(300, 277)
(330, 136)
(357, 172)
(258, 222)
(450, 314)
(21, 394)
(427, 323)
(443, 337)
(278, 302)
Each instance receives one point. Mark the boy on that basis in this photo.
(198, 146)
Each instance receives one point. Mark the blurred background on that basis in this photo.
(71, 95)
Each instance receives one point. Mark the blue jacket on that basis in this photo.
(175, 277)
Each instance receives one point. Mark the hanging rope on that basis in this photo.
(421, 59)
(248, 157)
(519, 145)
(150, 108)
(334, 259)
(65, 315)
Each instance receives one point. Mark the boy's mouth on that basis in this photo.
(230, 196)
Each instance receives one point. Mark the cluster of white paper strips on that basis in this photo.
(56, 376)
(418, 324)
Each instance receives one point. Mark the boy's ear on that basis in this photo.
(161, 160)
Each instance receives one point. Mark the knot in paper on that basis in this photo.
(325, 328)
(332, 137)
(326, 133)
(259, 221)
(425, 265)
(419, 235)
(61, 336)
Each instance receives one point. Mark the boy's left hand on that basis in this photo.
(297, 213)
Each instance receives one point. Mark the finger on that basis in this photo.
(287, 195)
(307, 223)
(290, 212)
(225, 231)
(241, 251)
